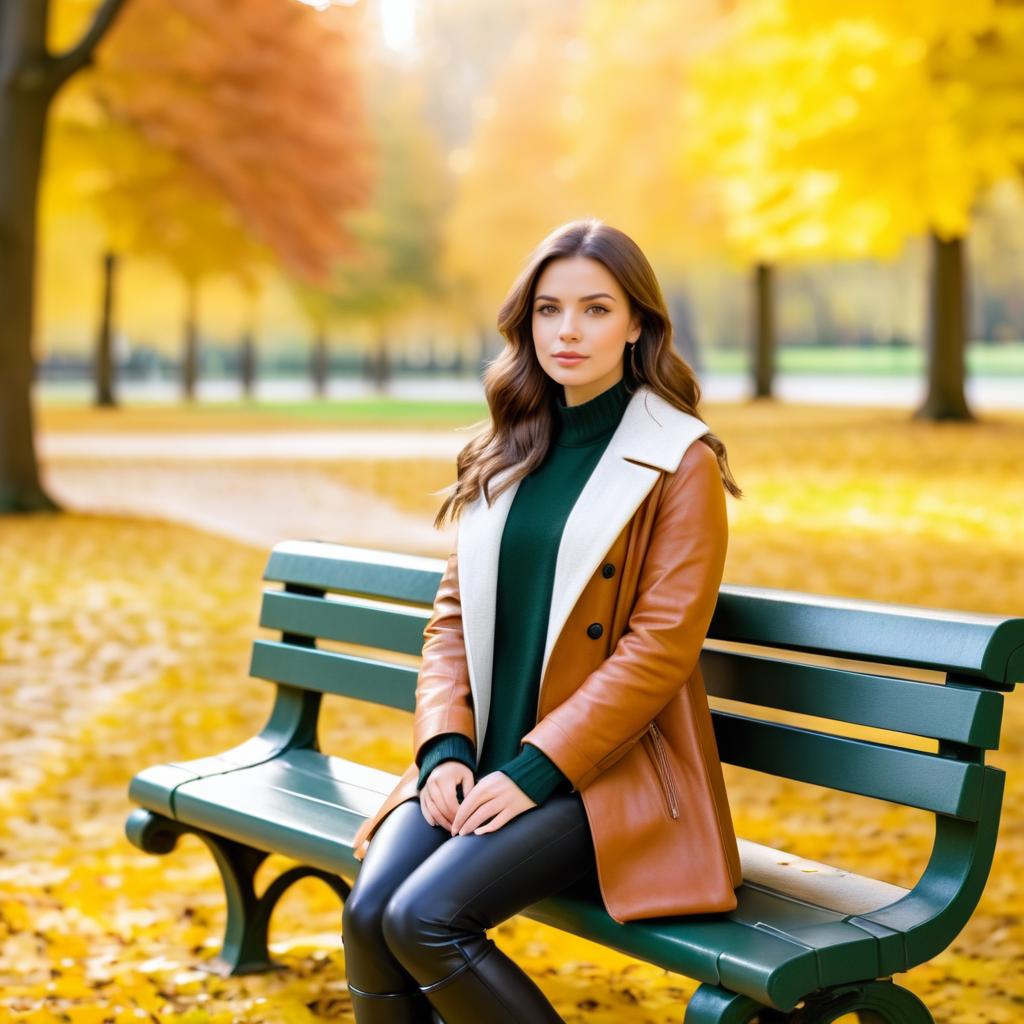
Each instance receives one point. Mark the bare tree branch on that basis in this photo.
(66, 64)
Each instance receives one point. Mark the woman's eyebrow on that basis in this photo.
(583, 298)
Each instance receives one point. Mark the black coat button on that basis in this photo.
(608, 570)
(594, 630)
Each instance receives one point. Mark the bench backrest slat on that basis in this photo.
(359, 571)
(910, 777)
(988, 647)
(964, 715)
(352, 620)
(344, 675)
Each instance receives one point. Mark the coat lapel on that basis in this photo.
(651, 437)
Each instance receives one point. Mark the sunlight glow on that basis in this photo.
(322, 5)
(398, 23)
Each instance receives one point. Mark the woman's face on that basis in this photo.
(579, 308)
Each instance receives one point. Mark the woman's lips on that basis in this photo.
(570, 360)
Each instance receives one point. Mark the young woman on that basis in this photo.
(562, 734)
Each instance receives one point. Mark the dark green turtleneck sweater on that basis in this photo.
(526, 571)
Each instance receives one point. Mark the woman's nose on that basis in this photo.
(568, 330)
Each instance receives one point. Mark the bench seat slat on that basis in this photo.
(813, 881)
(346, 675)
(964, 714)
(908, 777)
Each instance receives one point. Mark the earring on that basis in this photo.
(632, 359)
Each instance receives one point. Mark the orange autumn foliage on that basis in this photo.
(260, 100)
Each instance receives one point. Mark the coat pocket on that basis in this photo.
(656, 751)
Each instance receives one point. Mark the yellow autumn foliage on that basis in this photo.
(125, 643)
(842, 129)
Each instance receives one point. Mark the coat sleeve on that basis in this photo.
(676, 596)
(448, 746)
(444, 700)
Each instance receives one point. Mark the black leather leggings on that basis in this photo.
(414, 925)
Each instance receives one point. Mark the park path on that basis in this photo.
(251, 488)
(305, 445)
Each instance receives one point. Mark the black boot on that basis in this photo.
(490, 987)
(390, 1007)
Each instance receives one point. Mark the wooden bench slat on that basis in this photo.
(990, 647)
(813, 881)
(962, 714)
(361, 571)
(348, 619)
(878, 770)
(345, 675)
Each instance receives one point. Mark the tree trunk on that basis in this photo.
(318, 363)
(684, 331)
(380, 362)
(23, 108)
(105, 341)
(432, 365)
(30, 77)
(247, 364)
(190, 354)
(947, 334)
(764, 330)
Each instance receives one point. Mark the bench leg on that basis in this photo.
(713, 1005)
(872, 1002)
(245, 936)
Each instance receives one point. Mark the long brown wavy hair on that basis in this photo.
(520, 393)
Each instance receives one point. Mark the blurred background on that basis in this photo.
(251, 258)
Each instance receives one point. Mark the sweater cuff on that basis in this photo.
(447, 746)
(536, 774)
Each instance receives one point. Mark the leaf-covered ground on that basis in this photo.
(125, 643)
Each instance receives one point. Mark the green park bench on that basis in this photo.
(807, 943)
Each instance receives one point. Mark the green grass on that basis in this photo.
(982, 360)
(358, 411)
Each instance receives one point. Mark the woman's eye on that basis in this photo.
(541, 309)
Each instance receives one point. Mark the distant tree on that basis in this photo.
(846, 127)
(394, 269)
(242, 146)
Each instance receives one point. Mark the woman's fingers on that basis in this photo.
(442, 785)
(429, 805)
(436, 790)
(484, 811)
(424, 808)
(445, 798)
(495, 823)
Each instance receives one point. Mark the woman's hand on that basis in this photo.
(495, 799)
(438, 800)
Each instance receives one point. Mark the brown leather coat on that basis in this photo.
(623, 714)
